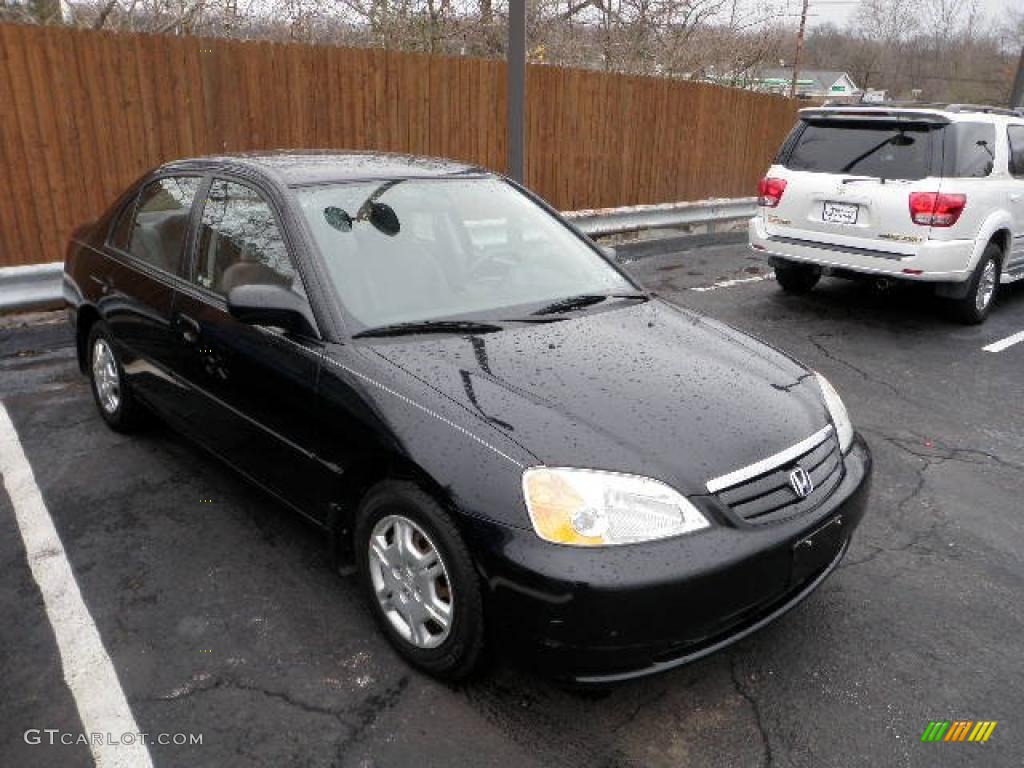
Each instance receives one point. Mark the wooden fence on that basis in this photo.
(85, 113)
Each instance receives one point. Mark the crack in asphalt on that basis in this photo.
(357, 721)
(930, 454)
(949, 453)
(535, 719)
(831, 355)
(756, 708)
(368, 711)
(224, 683)
(915, 537)
(641, 705)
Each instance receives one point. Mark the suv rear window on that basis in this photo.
(889, 150)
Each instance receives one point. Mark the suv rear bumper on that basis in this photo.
(931, 261)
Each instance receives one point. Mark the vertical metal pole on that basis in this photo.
(799, 51)
(517, 89)
(1017, 94)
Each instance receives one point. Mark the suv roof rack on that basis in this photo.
(981, 108)
(957, 108)
(887, 104)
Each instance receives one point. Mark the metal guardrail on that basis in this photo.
(610, 221)
(38, 286)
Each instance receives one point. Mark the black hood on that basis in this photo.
(648, 389)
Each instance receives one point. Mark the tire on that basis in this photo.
(388, 512)
(973, 308)
(797, 279)
(114, 399)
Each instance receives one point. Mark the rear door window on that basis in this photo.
(161, 222)
(970, 150)
(1016, 135)
(888, 150)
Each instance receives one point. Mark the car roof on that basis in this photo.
(299, 167)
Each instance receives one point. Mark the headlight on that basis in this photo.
(590, 508)
(836, 409)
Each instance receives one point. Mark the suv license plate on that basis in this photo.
(839, 213)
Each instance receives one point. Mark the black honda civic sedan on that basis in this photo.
(509, 440)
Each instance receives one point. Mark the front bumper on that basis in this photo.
(929, 261)
(610, 614)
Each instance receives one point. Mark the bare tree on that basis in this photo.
(942, 48)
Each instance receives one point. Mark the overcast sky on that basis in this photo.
(839, 11)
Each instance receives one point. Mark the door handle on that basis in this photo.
(1015, 197)
(189, 329)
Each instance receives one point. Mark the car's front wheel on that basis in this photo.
(981, 289)
(114, 399)
(419, 579)
(797, 278)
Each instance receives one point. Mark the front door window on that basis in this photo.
(240, 242)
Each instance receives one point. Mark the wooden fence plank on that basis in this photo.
(84, 113)
(28, 177)
(13, 230)
(48, 134)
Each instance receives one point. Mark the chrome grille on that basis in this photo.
(769, 497)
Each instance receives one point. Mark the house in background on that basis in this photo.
(810, 83)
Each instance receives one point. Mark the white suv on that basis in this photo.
(922, 193)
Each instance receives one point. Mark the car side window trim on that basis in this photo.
(195, 221)
(175, 278)
(208, 295)
(128, 209)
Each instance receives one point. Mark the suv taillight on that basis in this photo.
(769, 191)
(935, 209)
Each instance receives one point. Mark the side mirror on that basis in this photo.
(274, 305)
(609, 252)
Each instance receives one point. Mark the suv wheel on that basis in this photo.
(797, 278)
(419, 580)
(982, 288)
(114, 399)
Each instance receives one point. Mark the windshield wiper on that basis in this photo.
(899, 140)
(428, 326)
(584, 300)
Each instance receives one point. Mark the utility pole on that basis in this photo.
(1017, 94)
(799, 50)
(516, 65)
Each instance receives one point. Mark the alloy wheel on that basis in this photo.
(986, 287)
(105, 376)
(410, 581)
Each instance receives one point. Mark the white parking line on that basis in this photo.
(1009, 341)
(87, 668)
(737, 281)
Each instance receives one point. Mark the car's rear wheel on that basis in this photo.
(419, 579)
(114, 398)
(981, 289)
(797, 278)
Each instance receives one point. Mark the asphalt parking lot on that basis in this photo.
(221, 615)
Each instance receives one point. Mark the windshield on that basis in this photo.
(887, 150)
(413, 250)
